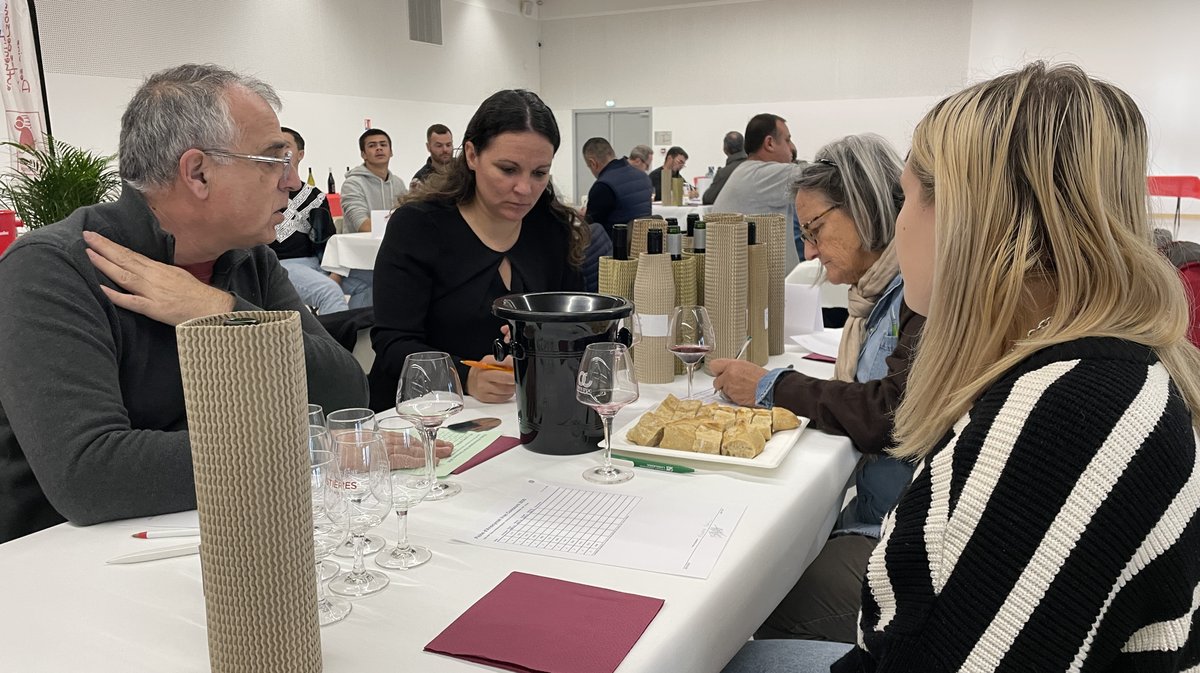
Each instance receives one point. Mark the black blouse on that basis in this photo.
(435, 282)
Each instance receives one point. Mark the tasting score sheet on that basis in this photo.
(609, 527)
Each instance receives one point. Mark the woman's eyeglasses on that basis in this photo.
(807, 232)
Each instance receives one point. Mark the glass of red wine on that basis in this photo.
(692, 337)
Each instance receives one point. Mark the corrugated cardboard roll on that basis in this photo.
(757, 304)
(699, 257)
(246, 395)
(637, 234)
(726, 284)
(774, 230)
(617, 276)
(654, 299)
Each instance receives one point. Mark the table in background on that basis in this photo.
(679, 212)
(65, 610)
(344, 252)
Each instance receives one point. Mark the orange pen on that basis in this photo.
(487, 365)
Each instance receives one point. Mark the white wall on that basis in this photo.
(334, 62)
(830, 68)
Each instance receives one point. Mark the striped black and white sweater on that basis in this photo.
(1054, 528)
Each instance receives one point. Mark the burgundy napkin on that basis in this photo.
(497, 447)
(536, 624)
(819, 358)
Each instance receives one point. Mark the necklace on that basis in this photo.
(1040, 326)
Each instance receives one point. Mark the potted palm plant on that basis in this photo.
(48, 184)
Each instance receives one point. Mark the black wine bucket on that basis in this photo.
(550, 331)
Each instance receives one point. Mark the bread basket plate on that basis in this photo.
(773, 453)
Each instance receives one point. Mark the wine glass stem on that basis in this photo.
(320, 584)
(607, 419)
(430, 448)
(402, 525)
(360, 541)
(690, 368)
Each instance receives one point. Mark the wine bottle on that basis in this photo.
(699, 242)
(312, 182)
(692, 218)
(751, 233)
(620, 241)
(332, 186)
(654, 242)
(674, 244)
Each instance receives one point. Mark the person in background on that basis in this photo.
(440, 144)
(734, 146)
(497, 217)
(369, 187)
(675, 161)
(620, 194)
(848, 198)
(301, 237)
(763, 182)
(641, 157)
(1052, 407)
(93, 425)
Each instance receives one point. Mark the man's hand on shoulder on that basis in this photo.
(159, 291)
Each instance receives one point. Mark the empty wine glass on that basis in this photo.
(429, 392)
(316, 415)
(692, 337)
(412, 477)
(338, 422)
(606, 383)
(363, 474)
(318, 440)
(327, 535)
(632, 324)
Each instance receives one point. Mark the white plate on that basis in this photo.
(772, 455)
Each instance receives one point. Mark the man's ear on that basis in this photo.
(194, 172)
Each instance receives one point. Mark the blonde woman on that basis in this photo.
(1052, 406)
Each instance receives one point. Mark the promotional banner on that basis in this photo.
(24, 110)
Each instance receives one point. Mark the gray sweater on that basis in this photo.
(92, 420)
(363, 191)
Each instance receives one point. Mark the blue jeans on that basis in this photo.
(314, 286)
(786, 656)
(360, 285)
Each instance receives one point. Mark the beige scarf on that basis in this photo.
(863, 296)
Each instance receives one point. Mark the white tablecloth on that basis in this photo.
(350, 251)
(65, 610)
(679, 212)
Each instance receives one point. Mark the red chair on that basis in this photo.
(1190, 273)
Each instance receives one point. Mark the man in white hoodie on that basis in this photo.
(368, 187)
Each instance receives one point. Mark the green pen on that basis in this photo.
(654, 464)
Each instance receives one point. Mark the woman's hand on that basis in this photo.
(406, 450)
(490, 385)
(738, 379)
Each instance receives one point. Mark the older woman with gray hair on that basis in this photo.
(847, 200)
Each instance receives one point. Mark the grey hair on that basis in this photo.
(176, 110)
(860, 173)
(642, 152)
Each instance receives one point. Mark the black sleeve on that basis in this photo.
(601, 202)
(861, 411)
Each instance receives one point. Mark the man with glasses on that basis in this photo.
(675, 161)
(763, 182)
(92, 419)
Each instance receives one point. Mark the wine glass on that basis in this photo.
(412, 477)
(606, 383)
(327, 535)
(341, 421)
(318, 441)
(429, 392)
(316, 415)
(363, 474)
(632, 324)
(692, 337)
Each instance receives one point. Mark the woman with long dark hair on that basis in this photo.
(492, 225)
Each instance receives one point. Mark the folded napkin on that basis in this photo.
(497, 447)
(536, 624)
(819, 357)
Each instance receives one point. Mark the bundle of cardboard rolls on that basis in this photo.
(690, 425)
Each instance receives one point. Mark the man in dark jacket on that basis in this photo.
(735, 153)
(92, 419)
(621, 193)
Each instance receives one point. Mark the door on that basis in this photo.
(623, 127)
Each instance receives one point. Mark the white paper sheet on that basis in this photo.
(802, 309)
(379, 220)
(610, 528)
